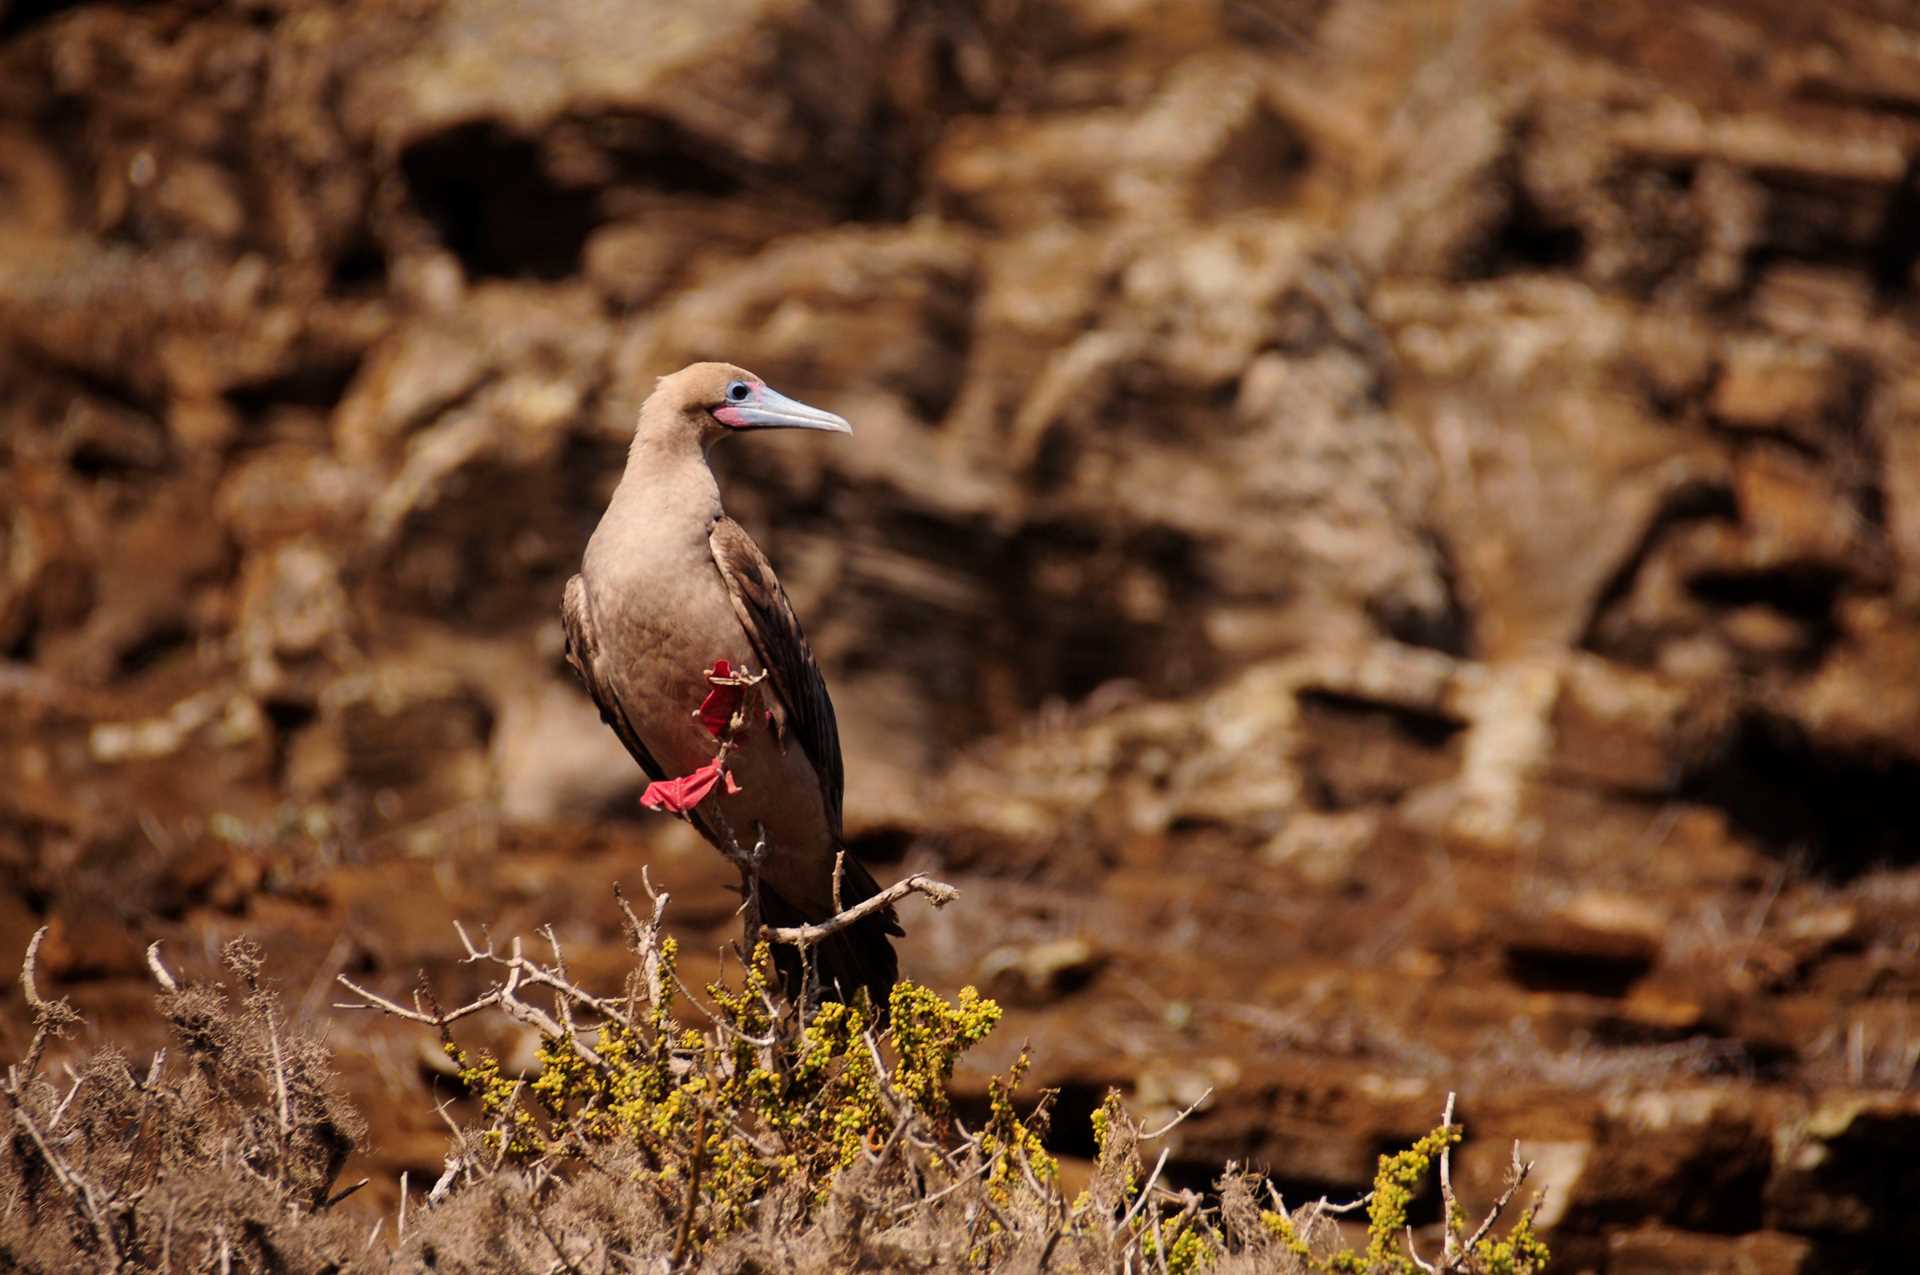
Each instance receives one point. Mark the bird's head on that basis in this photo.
(717, 399)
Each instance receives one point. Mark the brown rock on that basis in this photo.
(413, 735)
(1596, 944)
(1841, 1170)
(657, 75)
(1659, 1250)
(285, 492)
(1039, 973)
(293, 609)
(896, 302)
(1772, 386)
(1629, 731)
(1702, 1152)
(1211, 141)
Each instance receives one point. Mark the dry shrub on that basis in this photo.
(219, 1156)
(752, 1140)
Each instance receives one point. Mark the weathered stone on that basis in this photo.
(1705, 1152)
(1596, 944)
(413, 736)
(1659, 1250)
(1842, 1169)
(1387, 522)
(1211, 141)
(1766, 385)
(1040, 973)
(1631, 732)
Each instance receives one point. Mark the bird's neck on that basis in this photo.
(667, 477)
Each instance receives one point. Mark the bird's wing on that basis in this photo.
(801, 705)
(583, 649)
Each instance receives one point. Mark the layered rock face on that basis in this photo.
(1382, 546)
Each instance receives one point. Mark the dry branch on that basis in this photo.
(1448, 1205)
(1516, 1175)
(938, 893)
(161, 974)
(50, 1018)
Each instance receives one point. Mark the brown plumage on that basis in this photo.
(668, 585)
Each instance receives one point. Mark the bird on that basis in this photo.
(668, 586)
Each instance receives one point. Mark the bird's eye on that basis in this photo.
(737, 391)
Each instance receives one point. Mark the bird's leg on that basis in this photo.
(749, 861)
(751, 920)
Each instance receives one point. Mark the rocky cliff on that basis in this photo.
(1382, 547)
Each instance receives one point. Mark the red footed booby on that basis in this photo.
(669, 586)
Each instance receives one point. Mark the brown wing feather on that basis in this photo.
(800, 692)
(583, 649)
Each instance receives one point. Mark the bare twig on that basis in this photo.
(839, 875)
(160, 973)
(1169, 1125)
(1515, 1176)
(979, 1171)
(939, 893)
(76, 1187)
(1449, 1207)
(1146, 1190)
(50, 1018)
(1414, 1253)
(1322, 1207)
(332, 1200)
(560, 1005)
(448, 1176)
(644, 937)
(279, 1073)
(520, 970)
(27, 967)
(685, 1234)
(60, 1112)
(373, 1000)
(540, 1224)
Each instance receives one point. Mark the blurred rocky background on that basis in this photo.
(1382, 548)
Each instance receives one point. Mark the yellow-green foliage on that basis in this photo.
(1187, 1248)
(929, 1035)
(1018, 1144)
(1395, 1184)
(1520, 1252)
(753, 1104)
(742, 1107)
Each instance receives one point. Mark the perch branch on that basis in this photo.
(938, 893)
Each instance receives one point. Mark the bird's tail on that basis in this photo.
(858, 957)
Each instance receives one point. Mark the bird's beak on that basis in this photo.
(766, 409)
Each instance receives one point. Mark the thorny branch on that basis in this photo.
(52, 1018)
(520, 971)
